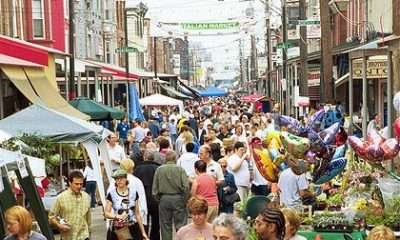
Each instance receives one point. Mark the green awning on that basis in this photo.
(95, 110)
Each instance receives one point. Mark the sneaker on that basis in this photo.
(93, 208)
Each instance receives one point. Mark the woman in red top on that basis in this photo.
(204, 185)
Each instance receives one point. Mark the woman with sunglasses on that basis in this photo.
(19, 223)
(122, 206)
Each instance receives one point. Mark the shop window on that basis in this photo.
(38, 18)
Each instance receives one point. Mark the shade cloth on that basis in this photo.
(213, 92)
(135, 111)
(96, 110)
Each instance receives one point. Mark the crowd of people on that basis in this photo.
(195, 164)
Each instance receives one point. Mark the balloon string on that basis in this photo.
(348, 172)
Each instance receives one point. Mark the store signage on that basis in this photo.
(314, 75)
(375, 69)
(210, 26)
(308, 22)
(125, 50)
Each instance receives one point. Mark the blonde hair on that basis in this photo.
(381, 233)
(187, 137)
(127, 164)
(21, 215)
(197, 205)
(292, 217)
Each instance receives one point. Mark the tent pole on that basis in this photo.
(61, 170)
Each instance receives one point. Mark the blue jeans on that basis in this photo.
(90, 189)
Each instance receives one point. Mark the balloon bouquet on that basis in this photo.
(309, 147)
(376, 149)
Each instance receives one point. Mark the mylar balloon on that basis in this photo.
(292, 125)
(390, 148)
(359, 146)
(264, 165)
(298, 166)
(297, 146)
(329, 134)
(339, 152)
(335, 167)
(314, 122)
(341, 137)
(396, 128)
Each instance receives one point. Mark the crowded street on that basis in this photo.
(200, 120)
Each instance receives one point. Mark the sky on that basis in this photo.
(225, 48)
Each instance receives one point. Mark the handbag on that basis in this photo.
(123, 233)
(232, 198)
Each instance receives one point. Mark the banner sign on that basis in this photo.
(178, 29)
(210, 26)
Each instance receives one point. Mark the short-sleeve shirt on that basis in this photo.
(117, 201)
(123, 128)
(242, 175)
(191, 232)
(290, 185)
(215, 170)
(34, 236)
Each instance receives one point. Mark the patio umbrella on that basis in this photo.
(95, 110)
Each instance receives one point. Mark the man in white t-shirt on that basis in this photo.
(116, 152)
(238, 165)
(291, 188)
(138, 133)
(187, 160)
(213, 168)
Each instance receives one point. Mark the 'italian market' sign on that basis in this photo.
(210, 26)
(375, 69)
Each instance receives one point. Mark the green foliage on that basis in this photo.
(251, 232)
(331, 219)
(335, 200)
(37, 146)
(392, 205)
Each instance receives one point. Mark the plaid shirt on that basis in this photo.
(76, 211)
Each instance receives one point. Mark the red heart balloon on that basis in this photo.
(396, 128)
(375, 153)
(391, 148)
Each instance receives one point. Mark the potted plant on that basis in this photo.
(334, 202)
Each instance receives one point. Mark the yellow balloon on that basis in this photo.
(264, 164)
(274, 135)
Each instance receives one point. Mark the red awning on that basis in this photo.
(117, 70)
(7, 60)
(251, 98)
(26, 51)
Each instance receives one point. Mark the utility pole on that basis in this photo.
(72, 89)
(155, 60)
(268, 49)
(326, 84)
(284, 55)
(396, 52)
(241, 62)
(253, 62)
(126, 44)
(303, 51)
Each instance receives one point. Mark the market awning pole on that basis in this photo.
(365, 97)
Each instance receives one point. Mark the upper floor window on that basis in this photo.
(38, 18)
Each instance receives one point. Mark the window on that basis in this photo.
(38, 18)
(108, 53)
(89, 46)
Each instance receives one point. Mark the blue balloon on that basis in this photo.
(340, 152)
(335, 167)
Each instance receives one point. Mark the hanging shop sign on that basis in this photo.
(210, 26)
(314, 76)
(375, 69)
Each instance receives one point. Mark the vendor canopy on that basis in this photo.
(161, 100)
(213, 92)
(46, 122)
(95, 110)
(251, 98)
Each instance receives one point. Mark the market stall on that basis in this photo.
(213, 92)
(161, 100)
(62, 128)
(264, 103)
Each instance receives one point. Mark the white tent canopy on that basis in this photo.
(161, 100)
(62, 128)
